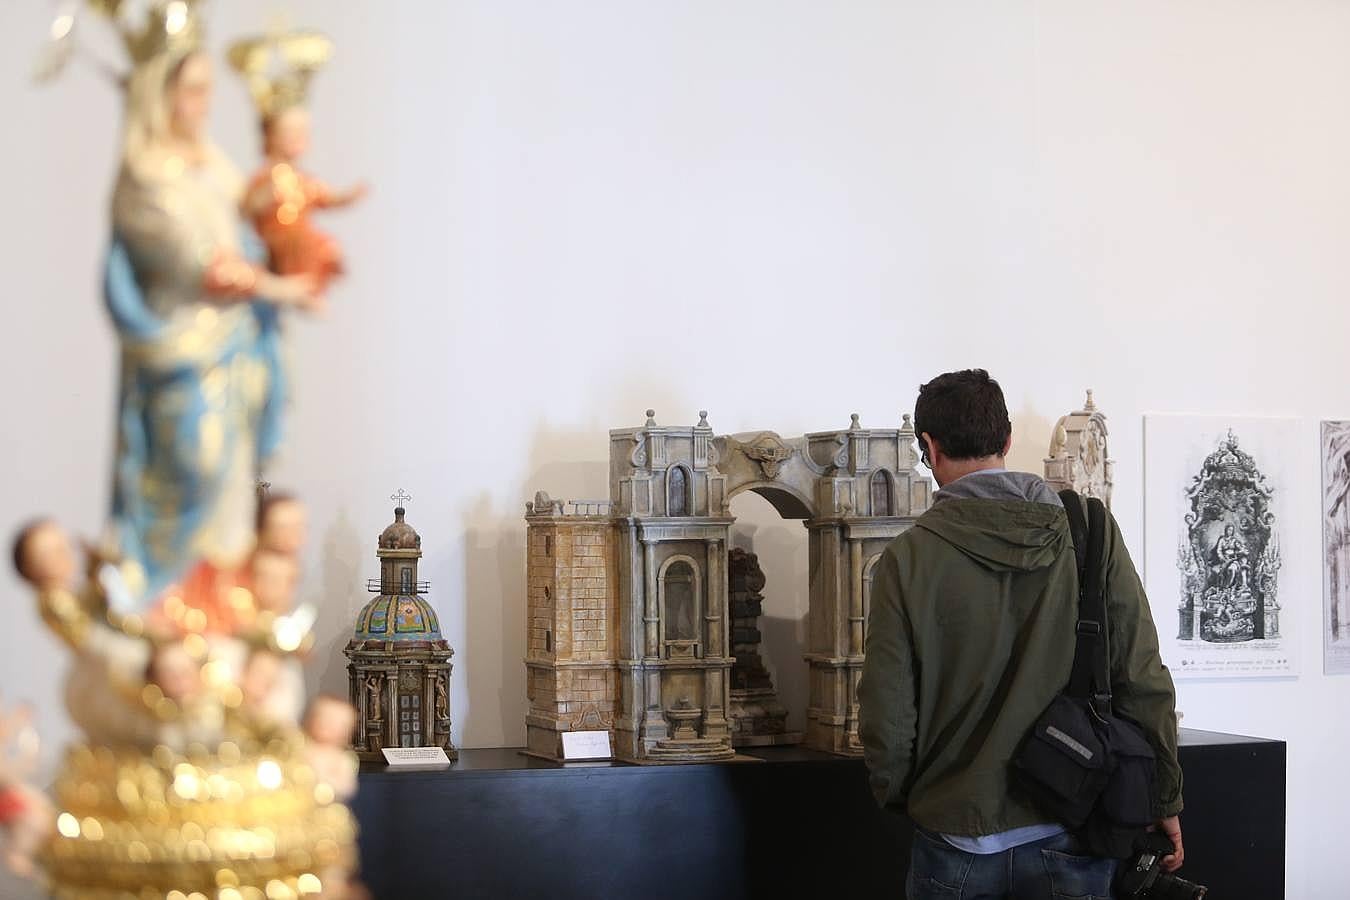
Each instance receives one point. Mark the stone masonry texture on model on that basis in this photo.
(629, 613)
(971, 634)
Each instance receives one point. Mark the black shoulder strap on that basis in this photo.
(1078, 528)
(1090, 677)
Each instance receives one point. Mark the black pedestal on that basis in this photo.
(794, 824)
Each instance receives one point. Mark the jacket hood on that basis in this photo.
(1002, 535)
(999, 484)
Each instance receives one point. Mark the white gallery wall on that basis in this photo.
(781, 212)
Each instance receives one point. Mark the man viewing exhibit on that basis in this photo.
(971, 636)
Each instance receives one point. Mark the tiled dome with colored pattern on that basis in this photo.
(398, 618)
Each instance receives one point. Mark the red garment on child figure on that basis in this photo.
(280, 198)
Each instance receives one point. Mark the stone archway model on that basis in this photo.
(597, 652)
(597, 655)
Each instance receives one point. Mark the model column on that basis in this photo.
(715, 687)
(429, 710)
(391, 704)
(855, 609)
(852, 666)
(653, 720)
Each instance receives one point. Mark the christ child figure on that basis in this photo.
(280, 197)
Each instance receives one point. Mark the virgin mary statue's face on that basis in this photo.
(190, 97)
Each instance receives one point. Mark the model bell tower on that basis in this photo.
(399, 664)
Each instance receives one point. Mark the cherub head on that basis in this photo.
(43, 556)
(286, 133)
(330, 721)
(174, 671)
(274, 579)
(261, 672)
(281, 524)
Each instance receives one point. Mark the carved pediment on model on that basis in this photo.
(1078, 456)
(770, 452)
(766, 449)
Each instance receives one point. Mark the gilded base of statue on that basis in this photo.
(258, 822)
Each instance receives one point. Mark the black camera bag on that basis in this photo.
(1083, 765)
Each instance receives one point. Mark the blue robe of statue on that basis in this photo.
(199, 410)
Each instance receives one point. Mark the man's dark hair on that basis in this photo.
(965, 412)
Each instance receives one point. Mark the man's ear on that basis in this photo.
(1007, 445)
(929, 443)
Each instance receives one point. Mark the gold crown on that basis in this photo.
(170, 26)
(278, 68)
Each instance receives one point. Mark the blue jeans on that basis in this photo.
(1049, 869)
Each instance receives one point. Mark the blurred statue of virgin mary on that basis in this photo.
(201, 383)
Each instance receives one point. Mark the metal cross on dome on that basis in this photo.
(401, 497)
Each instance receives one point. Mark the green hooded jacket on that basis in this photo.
(969, 636)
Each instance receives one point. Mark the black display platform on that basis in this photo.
(795, 823)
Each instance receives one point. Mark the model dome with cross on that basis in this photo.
(399, 664)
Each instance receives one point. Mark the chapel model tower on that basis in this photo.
(628, 608)
(573, 623)
(399, 664)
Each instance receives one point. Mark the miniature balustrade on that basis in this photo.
(590, 507)
(393, 587)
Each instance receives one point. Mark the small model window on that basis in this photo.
(406, 579)
(548, 545)
(881, 494)
(410, 720)
(677, 483)
(548, 640)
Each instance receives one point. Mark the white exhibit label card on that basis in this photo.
(416, 756)
(586, 745)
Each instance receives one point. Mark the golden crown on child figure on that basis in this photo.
(196, 776)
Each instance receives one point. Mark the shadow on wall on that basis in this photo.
(564, 463)
(494, 600)
(1030, 439)
(338, 601)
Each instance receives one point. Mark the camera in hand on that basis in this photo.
(1142, 875)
